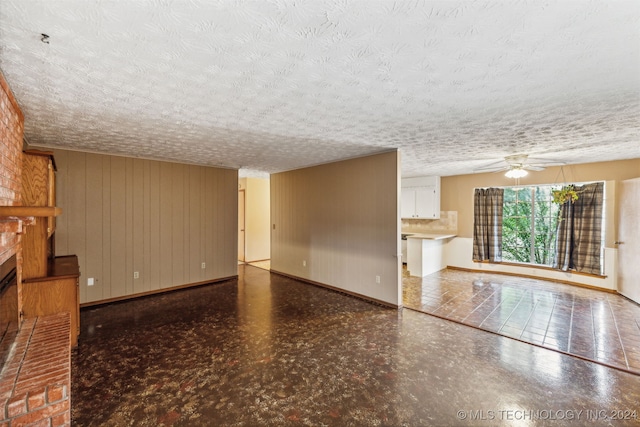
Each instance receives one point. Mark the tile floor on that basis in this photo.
(595, 325)
(266, 350)
(265, 265)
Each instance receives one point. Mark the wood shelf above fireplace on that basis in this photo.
(29, 211)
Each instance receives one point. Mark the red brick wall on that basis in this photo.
(11, 132)
(36, 384)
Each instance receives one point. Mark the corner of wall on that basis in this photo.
(337, 224)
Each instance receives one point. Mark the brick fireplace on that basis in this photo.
(35, 354)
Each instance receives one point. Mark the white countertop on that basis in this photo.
(429, 236)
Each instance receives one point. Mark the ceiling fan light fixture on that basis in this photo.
(516, 172)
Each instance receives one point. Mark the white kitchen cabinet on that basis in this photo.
(421, 198)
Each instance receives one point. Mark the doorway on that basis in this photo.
(241, 225)
(254, 221)
(629, 239)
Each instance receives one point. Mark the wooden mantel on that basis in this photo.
(27, 211)
(14, 218)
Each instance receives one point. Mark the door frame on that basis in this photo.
(627, 239)
(242, 234)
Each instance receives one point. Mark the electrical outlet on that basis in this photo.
(304, 263)
(90, 281)
(378, 280)
(204, 265)
(136, 275)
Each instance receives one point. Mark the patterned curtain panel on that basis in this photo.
(487, 224)
(579, 237)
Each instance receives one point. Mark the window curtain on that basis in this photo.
(579, 233)
(487, 224)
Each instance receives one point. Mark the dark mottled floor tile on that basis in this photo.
(265, 350)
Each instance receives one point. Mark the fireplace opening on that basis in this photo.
(9, 318)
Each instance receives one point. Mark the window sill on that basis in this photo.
(543, 267)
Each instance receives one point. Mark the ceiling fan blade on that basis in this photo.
(491, 169)
(516, 159)
(492, 165)
(546, 162)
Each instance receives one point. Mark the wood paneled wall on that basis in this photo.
(343, 220)
(163, 220)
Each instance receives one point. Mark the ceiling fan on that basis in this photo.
(517, 165)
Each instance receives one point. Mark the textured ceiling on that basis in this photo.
(267, 86)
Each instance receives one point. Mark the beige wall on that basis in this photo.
(457, 191)
(163, 220)
(257, 214)
(342, 219)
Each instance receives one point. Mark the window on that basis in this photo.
(524, 225)
(530, 220)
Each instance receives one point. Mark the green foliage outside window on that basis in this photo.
(529, 224)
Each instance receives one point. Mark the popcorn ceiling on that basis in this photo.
(267, 86)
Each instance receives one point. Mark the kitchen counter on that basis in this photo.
(425, 253)
(429, 236)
